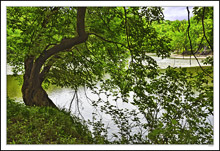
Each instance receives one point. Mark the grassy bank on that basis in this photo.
(44, 125)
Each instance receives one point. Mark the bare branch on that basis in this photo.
(88, 99)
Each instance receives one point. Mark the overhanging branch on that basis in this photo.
(66, 43)
(203, 27)
(191, 44)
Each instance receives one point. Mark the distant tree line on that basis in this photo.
(201, 32)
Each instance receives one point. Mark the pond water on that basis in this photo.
(63, 96)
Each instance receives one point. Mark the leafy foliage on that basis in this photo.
(32, 30)
(170, 107)
(44, 125)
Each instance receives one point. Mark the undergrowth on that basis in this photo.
(44, 125)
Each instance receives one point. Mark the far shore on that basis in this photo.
(178, 56)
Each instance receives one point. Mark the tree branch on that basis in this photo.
(199, 45)
(46, 69)
(191, 44)
(77, 101)
(203, 27)
(107, 40)
(48, 47)
(72, 100)
(65, 43)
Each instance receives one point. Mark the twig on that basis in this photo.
(48, 46)
(77, 101)
(200, 45)
(106, 39)
(92, 53)
(127, 34)
(83, 55)
(88, 99)
(72, 100)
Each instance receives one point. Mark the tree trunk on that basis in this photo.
(35, 95)
(32, 91)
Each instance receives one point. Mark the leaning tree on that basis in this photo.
(70, 46)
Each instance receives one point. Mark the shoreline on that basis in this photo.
(177, 56)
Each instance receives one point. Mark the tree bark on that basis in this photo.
(32, 91)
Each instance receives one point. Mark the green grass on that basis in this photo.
(44, 125)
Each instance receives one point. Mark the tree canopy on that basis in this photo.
(34, 30)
